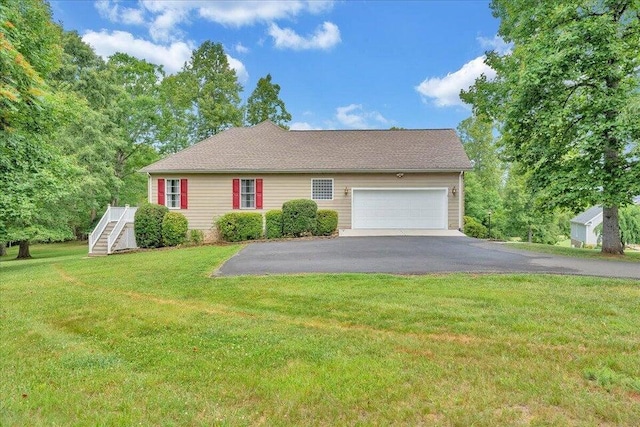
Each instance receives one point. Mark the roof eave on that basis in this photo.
(275, 171)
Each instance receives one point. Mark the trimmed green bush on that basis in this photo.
(239, 226)
(327, 222)
(196, 237)
(174, 229)
(147, 225)
(474, 228)
(273, 221)
(299, 217)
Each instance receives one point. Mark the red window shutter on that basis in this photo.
(161, 191)
(183, 194)
(236, 193)
(259, 193)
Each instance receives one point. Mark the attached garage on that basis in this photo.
(399, 208)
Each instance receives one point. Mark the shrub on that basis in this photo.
(299, 217)
(474, 228)
(196, 237)
(174, 229)
(147, 225)
(273, 221)
(327, 222)
(238, 226)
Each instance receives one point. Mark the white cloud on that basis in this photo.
(496, 43)
(354, 116)
(325, 37)
(241, 70)
(303, 126)
(241, 13)
(445, 91)
(240, 48)
(171, 57)
(112, 11)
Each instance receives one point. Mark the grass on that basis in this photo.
(149, 338)
(629, 255)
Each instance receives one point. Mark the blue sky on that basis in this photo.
(341, 65)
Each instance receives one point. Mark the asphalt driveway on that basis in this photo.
(409, 255)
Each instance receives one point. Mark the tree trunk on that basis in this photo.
(3, 249)
(530, 234)
(611, 242)
(23, 251)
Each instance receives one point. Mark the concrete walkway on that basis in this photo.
(394, 232)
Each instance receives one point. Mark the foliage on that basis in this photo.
(265, 104)
(327, 222)
(147, 225)
(567, 100)
(299, 217)
(630, 224)
(273, 220)
(174, 229)
(157, 317)
(213, 91)
(474, 228)
(240, 226)
(196, 237)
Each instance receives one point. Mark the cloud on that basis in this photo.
(112, 11)
(240, 48)
(241, 70)
(303, 126)
(355, 117)
(241, 13)
(445, 91)
(171, 57)
(325, 37)
(496, 43)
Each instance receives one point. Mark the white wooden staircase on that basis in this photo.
(114, 232)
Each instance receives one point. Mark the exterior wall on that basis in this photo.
(586, 233)
(210, 195)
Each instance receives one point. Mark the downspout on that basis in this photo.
(148, 187)
(460, 200)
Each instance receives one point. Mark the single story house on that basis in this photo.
(374, 179)
(583, 227)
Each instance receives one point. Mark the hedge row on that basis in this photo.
(297, 218)
(154, 226)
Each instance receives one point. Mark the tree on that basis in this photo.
(567, 99)
(213, 89)
(265, 104)
(37, 180)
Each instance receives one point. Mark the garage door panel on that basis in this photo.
(399, 208)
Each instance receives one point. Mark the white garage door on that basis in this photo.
(400, 208)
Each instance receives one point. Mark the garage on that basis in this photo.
(399, 208)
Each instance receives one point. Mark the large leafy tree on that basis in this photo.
(37, 180)
(213, 90)
(265, 104)
(567, 99)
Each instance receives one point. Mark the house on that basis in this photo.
(583, 226)
(374, 179)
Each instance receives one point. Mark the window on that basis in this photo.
(247, 193)
(173, 193)
(322, 189)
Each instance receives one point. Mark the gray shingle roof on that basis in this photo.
(587, 215)
(269, 148)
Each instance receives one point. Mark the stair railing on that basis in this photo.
(97, 232)
(115, 233)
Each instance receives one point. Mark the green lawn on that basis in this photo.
(629, 255)
(149, 338)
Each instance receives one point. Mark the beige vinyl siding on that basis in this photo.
(210, 195)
